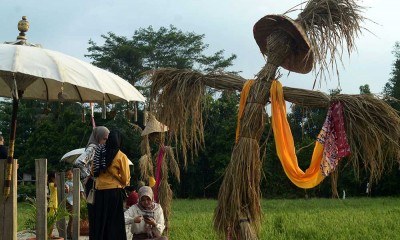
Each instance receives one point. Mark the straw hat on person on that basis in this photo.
(300, 58)
(153, 125)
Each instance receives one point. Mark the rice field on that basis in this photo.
(351, 218)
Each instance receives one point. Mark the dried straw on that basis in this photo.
(373, 132)
(145, 145)
(164, 189)
(177, 97)
(238, 204)
(165, 200)
(173, 164)
(306, 98)
(332, 26)
(146, 167)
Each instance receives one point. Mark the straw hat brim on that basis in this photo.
(300, 59)
(154, 126)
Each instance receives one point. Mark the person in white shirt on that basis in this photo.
(146, 217)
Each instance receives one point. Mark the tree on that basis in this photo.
(392, 87)
(364, 89)
(149, 49)
(204, 175)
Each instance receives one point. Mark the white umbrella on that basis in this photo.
(45, 74)
(71, 156)
(30, 72)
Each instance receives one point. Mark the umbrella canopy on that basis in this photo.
(30, 72)
(53, 76)
(71, 156)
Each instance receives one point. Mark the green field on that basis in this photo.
(358, 218)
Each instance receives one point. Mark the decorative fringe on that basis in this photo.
(136, 109)
(104, 109)
(83, 112)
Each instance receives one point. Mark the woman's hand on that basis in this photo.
(150, 221)
(138, 219)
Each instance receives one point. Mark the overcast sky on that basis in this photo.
(66, 26)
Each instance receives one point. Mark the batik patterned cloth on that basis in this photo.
(333, 137)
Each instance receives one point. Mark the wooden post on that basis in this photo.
(61, 196)
(41, 198)
(8, 206)
(77, 204)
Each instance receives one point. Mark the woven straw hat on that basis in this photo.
(153, 125)
(299, 60)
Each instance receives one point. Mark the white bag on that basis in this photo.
(90, 197)
(92, 192)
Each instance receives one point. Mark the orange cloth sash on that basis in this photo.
(285, 144)
(243, 99)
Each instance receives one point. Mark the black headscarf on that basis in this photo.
(105, 154)
(113, 145)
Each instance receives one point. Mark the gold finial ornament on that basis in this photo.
(23, 26)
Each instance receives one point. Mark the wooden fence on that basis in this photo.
(8, 206)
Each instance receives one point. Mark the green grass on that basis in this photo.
(358, 218)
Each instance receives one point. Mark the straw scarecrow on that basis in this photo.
(362, 127)
(164, 160)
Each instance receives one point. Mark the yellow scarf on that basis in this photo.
(243, 99)
(285, 144)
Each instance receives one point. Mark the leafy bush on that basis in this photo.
(30, 222)
(26, 190)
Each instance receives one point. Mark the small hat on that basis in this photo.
(300, 59)
(153, 125)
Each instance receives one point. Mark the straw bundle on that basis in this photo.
(373, 132)
(216, 80)
(169, 164)
(306, 98)
(178, 101)
(146, 167)
(238, 208)
(331, 26)
(145, 145)
(173, 164)
(165, 200)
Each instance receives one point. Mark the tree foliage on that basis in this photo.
(392, 87)
(152, 49)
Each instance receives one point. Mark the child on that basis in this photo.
(69, 186)
(53, 202)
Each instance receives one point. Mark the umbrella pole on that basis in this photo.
(10, 155)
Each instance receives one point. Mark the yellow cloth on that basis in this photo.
(120, 177)
(285, 144)
(152, 182)
(53, 202)
(243, 99)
